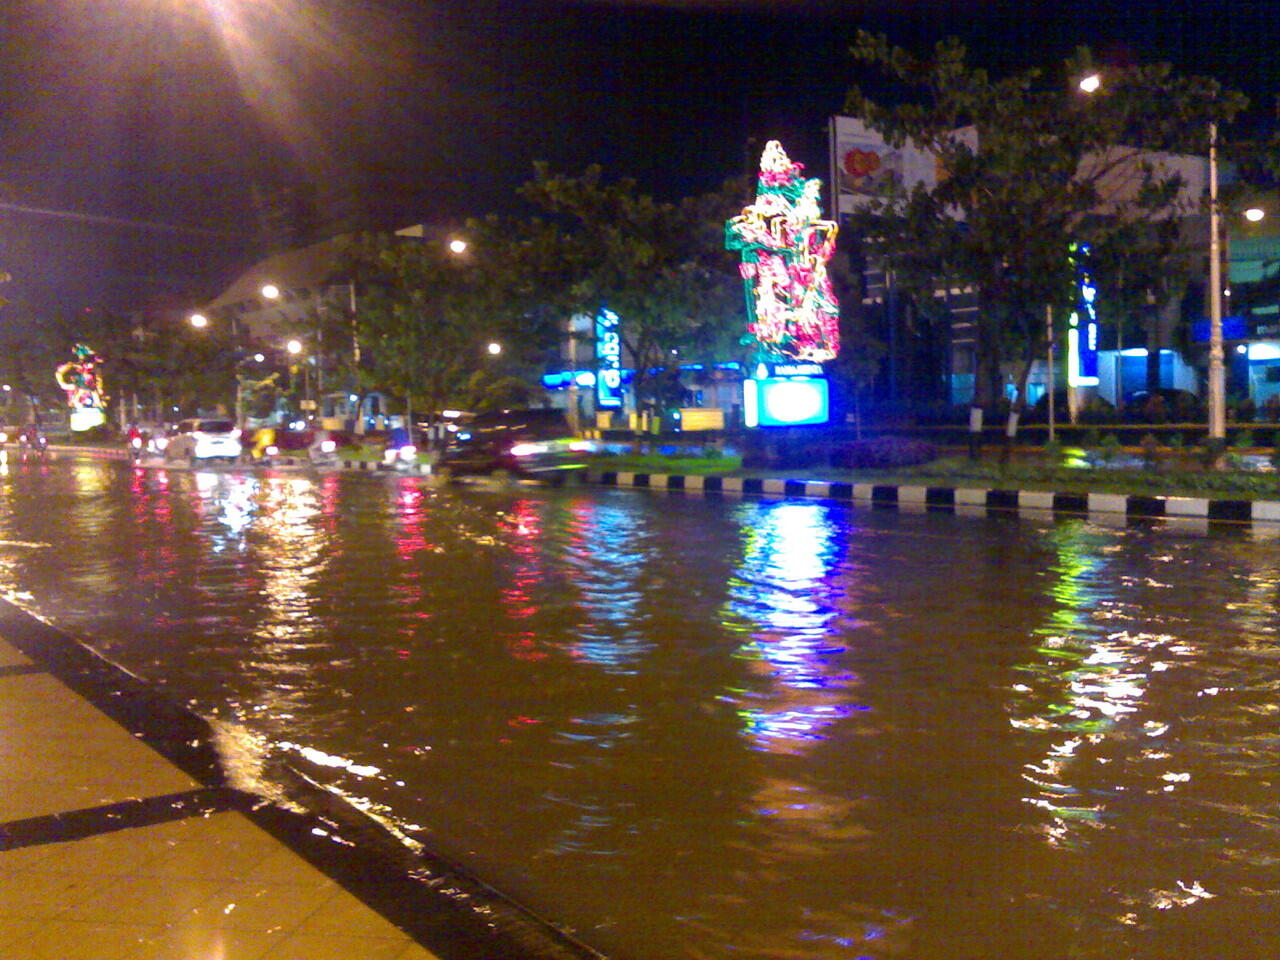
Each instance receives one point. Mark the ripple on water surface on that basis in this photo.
(712, 728)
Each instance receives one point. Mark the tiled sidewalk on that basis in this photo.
(109, 852)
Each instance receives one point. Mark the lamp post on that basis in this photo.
(1217, 378)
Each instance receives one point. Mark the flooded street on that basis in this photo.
(714, 729)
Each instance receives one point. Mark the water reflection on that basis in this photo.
(688, 727)
(784, 597)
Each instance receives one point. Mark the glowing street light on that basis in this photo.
(494, 349)
(294, 347)
(271, 291)
(1254, 214)
(457, 246)
(199, 321)
(1091, 83)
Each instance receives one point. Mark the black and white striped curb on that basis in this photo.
(952, 498)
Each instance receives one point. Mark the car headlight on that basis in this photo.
(528, 449)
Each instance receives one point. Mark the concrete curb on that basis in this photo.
(956, 499)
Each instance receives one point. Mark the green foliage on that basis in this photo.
(1109, 448)
(1037, 164)
(884, 453)
(1243, 440)
(661, 267)
(427, 315)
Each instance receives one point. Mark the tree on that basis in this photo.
(1038, 168)
(426, 315)
(661, 267)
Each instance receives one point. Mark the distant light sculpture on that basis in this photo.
(80, 379)
(792, 312)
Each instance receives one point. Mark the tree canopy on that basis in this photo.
(1032, 167)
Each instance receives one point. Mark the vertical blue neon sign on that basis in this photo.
(608, 361)
(1082, 333)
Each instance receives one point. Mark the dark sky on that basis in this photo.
(132, 132)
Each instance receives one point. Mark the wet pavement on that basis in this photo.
(108, 851)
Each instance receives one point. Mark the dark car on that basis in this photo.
(1163, 405)
(520, 442)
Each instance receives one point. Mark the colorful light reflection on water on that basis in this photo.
(719, 729)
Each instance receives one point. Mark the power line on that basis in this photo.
(117, 221)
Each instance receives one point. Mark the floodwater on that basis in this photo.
(720, 729)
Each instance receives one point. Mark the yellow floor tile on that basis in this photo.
(202, 861)
(115, 854)
(10, 656)
(286, 867)
(193, 942)
(343, 913)
(37, 895)
(69, 940)
(244, 905)
(16, 929)
(310, 946)
(416, 952)
(24, 858)
(147, 900)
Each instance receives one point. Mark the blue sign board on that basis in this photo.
(1233, 328)
(608, 361)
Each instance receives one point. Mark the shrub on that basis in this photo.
(1109, 448)
(883, 453)
(1150, 450)
(1243, 440)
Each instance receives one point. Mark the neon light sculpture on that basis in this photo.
(83, 385)
(791, 310)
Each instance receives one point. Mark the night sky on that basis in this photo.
(133, 133)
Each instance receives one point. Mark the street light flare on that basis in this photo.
(1254, 214)
(199, 321)
(271, 291)
(1091, 83)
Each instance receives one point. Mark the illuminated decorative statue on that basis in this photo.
(83, 385)
(791, 310)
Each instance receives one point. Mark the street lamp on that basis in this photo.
(1217, 371)
(271, 291)
(457, 246)
(1254, 214)
(199, 321)
(494, 349)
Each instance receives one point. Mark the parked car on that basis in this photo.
(1163, 405)
(200, 439)
(1093, 410)
(521, 442)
